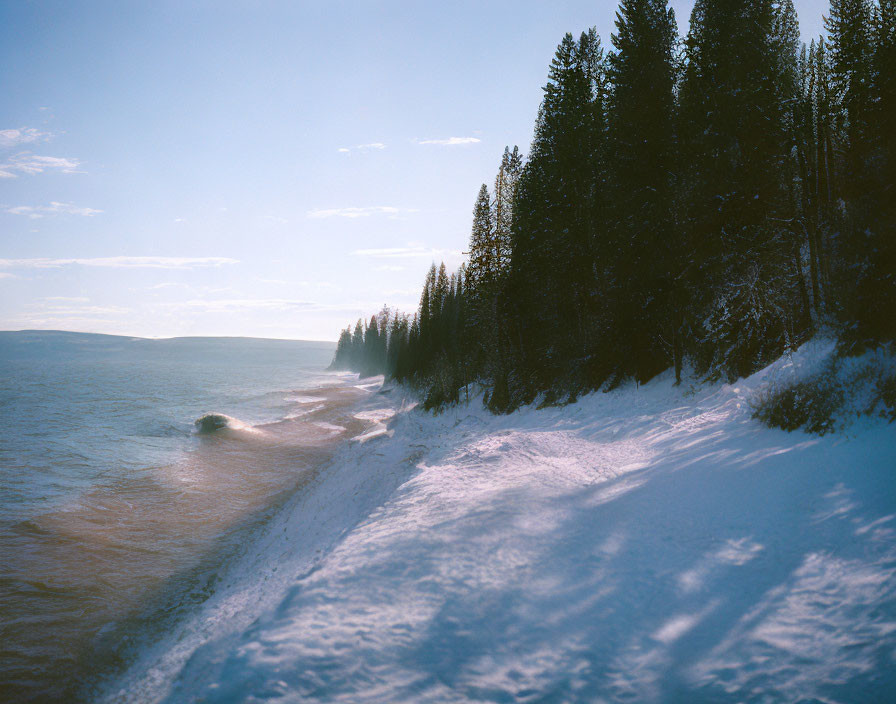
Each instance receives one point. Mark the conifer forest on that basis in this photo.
(708, 202)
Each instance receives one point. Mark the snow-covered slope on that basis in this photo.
(648, 544)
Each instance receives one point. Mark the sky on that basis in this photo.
(262, 168)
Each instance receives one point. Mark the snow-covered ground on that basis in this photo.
(647, 544)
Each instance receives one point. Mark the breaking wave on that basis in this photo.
(211, 422)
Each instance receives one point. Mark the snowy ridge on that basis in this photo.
(648, 544)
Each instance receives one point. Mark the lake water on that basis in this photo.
(115, 513)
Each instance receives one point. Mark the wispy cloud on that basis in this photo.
(22, 135)
(119, 262)
(6, 275)
(450, 141)
(72, 317)
(355, 212)
(370, 146)
(66, 306)
(54, 208)
(27, 163)
(300, 284)
(231, 305)
(237, 305)
(407, 253)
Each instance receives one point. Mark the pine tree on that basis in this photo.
(425, 322)
(481, 254)
(644, 259)
(850, 27)
(734, 137)
(556, 213)
(357, 358)
(862, 235)
(718, 203)
(880, 309)
(502, 207)
(885, 93)
(343, 357)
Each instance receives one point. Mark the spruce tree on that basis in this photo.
(556, 214)
(343, 357)
(885, 93)
(644, 259)
(358, 346)
(850, 28)
(861, 242)
(882, 298)
(502, 207)
(481, 254)
(734, 137)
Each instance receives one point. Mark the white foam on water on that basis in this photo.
(331, 427)
(302, 399)
(303, 412)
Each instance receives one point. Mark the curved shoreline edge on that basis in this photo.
(650, 543)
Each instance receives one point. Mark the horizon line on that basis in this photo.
(169, 337)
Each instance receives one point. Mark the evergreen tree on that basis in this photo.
(357, 358)
(885, 94)
(371, 346)
(719, 207)
(556, 212)
(879, 310)
(425, 323)
(644, 259)
(502, 207)
(863, 241)
(735, 151)
(850, 28)
(440, 291)
(343, 357)
(482, 254)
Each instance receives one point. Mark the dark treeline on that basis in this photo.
(715, 200)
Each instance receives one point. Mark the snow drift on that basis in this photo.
(648, 544)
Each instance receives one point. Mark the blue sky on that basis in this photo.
(263, 168)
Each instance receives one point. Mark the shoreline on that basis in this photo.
(114, 567)
(653, 537)
(236, 602)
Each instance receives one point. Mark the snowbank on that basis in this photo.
(648, 544)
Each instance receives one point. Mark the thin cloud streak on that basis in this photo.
(54, 208)
(31, 164)
(233, 305)
(451, 141)
(356, 212)
(119, 262)
(378, 146)
(406, 253)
